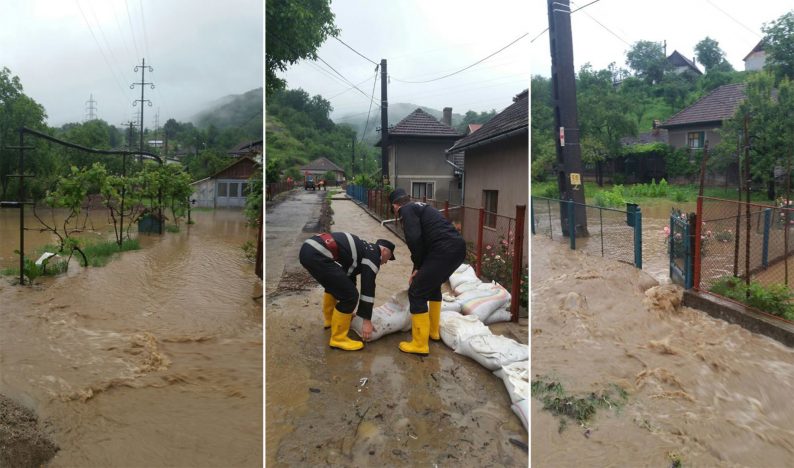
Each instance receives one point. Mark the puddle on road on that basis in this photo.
(152, 360)
(709, 391)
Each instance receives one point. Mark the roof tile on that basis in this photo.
(719, 105)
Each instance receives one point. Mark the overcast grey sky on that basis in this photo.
(65, 50)
(603, 31)
(422, 40)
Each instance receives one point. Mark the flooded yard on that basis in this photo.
(152, 360)
(698, 389)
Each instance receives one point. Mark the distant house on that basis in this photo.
(698, 123)
(417, 156)
(497, 163)
(682, 64)
(227, 187)
(320, 166)
(756, 59)
(249, 148)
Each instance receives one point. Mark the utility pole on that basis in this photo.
(142, 84)
(384, 125)
(569, 158)
(90, 109)
(353, 157)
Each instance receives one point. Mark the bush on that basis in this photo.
(774, 299)
(610, 198)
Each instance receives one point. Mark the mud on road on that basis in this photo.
(443, 409)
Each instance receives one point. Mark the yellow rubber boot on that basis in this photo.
(329, 302)
(420, 329)
(340, 325)
(435, 318)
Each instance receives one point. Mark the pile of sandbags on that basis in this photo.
(490, 302)
(391, 317)
(509, 360)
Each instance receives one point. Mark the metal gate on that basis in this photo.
(680, 247)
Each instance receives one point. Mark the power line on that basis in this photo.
(466, 68)
(350, 88)
(132, 30)
(370, 103)
(145, 36)
(357, 52)
(608, 30)
(107, 62)
(734, 19)
(345, 79)
(572, 12)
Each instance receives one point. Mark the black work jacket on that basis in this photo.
(359, 258)
(425, 229)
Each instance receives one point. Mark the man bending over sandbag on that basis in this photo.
(335, 260)
(437, 250)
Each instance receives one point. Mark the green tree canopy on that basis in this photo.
(648, 61)
(779, 45)
(294, 30)
(708, 53)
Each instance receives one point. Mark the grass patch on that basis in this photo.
(581, 409)
(172, 228)
(100, 253)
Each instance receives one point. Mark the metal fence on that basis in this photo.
(274, 188)
(494, 243)
(609, 232)
(740, 239)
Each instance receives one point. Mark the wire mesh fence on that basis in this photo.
(606, 232)
(740, 239)
(494, 243)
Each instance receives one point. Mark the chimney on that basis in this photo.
(447, 119)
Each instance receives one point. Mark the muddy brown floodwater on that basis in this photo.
(444, 409)
(699, 389)
(152, 360)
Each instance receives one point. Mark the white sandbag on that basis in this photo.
(493, 351)
(447, 297)
(390, 317)
(483, 302)
(462, 275)
(501, 314)
(516, 379)
(452, 306)
(465, 287)
(521, 409)
(454, 328)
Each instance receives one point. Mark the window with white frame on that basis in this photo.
(422, 189)
(695, 140)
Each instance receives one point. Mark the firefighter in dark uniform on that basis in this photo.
(334, 260)
(437, 250)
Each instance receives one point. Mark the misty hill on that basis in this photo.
(397, 112)
(242, 111)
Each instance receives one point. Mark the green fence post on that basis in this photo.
(532, 215)
(638, 238)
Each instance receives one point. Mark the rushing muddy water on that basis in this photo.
(152, 360)
(699, 389)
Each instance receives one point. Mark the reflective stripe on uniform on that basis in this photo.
(353, 253)
(370, 264)
(364, 298)
(320, 248)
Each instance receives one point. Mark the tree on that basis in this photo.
(16, 110)
(542, 148)
(708, 53)
(779, 45)
(293, 31)
(648, 61)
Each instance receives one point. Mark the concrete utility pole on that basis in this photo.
(90, 109)
(563, 79)
(384, 125)
(142, 84)
(353, 157)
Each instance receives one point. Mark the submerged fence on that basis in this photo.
(494, 243)
(609, 232)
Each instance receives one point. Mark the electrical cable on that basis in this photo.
(366, 127)
(465, 68)
(734, 19)
(107, 62)
(354, 50)
(572, 12)
(132, 30)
